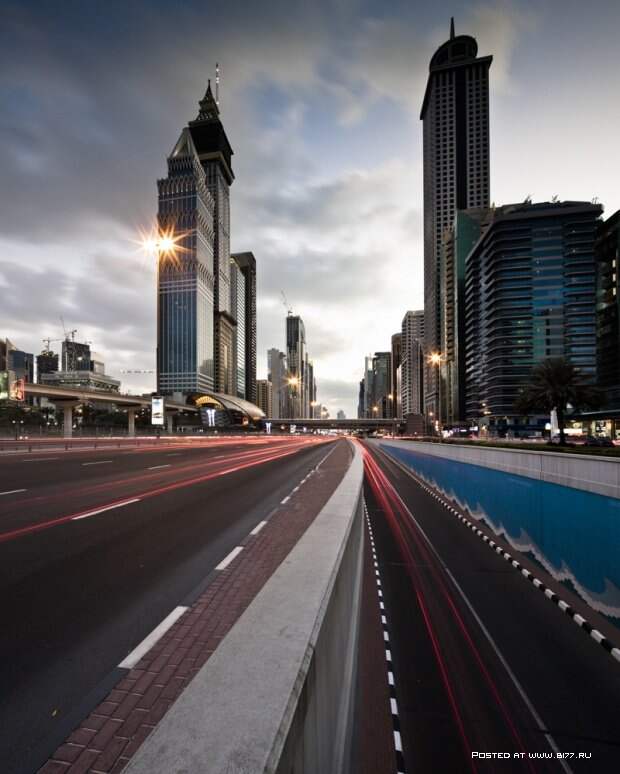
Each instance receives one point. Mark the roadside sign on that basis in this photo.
(157, 411)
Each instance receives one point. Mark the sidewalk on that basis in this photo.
(108, 738)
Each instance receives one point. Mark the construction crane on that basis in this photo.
(48, 342)
(287, 306)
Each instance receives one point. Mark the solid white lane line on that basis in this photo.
(157, 467)
(13, 491)
(228, 559)
(107, 508)
(147, 643)
(42, 459)
(258, 528)
(99, 462)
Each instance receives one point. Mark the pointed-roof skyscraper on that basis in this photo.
(215, 154)
(196, 328)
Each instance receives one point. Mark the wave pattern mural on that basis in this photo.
(575, 535)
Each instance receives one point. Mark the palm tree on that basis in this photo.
(556, 383)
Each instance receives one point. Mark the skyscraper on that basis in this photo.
(455, 112)
(276, 366)
(245, 315)
(412, 350)
(458, 241)
(295, 358)
(530, 295)
(394, 386)
(264, 397)
(196, 328)
(382, 375)
(608, 310)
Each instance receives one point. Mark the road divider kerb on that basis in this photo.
(594, 634)
(398, 745)
(148, 642)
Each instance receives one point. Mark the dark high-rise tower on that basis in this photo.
(215, 156)
(295, 356)
(455, 112)
(244, 311)
(195, 326)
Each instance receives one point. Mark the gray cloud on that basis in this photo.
(93, 96)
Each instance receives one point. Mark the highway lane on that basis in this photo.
(535, 684)
(28, 470)
(38, 494)
(78, 596)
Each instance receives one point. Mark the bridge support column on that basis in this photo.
(131, 422)
(169, 423)
(67, 416)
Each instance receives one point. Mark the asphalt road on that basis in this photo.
(97, 547)
(482, 661)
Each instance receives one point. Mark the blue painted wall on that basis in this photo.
(574, 534)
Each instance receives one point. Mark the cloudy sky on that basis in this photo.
(320, 101)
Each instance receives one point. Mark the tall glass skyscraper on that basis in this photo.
(195, 325)
(455, 112)
(530, 294)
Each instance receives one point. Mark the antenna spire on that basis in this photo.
(452, 28)
(217, 84)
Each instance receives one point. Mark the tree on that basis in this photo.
(555, 383)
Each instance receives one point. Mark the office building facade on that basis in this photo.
(458, 242)
(277, 371)
(530, 294)
(395, 381)
(296, 360)
(196, 336)
(264, 395)
(455, 115)
(47, 363)
(412, 363)
(607, 251)
(244, 313)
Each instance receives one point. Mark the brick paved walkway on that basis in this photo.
(106, 740)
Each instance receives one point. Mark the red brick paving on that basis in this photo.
(106, 740)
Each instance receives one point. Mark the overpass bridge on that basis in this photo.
(68, 398)
(390, 424)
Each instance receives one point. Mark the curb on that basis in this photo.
(606, 644)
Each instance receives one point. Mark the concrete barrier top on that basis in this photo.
(600, 475)
(235, 714)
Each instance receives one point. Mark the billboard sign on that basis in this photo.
(157, 412)
(18, 390)
(4, 385)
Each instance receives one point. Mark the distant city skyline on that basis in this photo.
(307, 94)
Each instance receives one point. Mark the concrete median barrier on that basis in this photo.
(277, 694)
